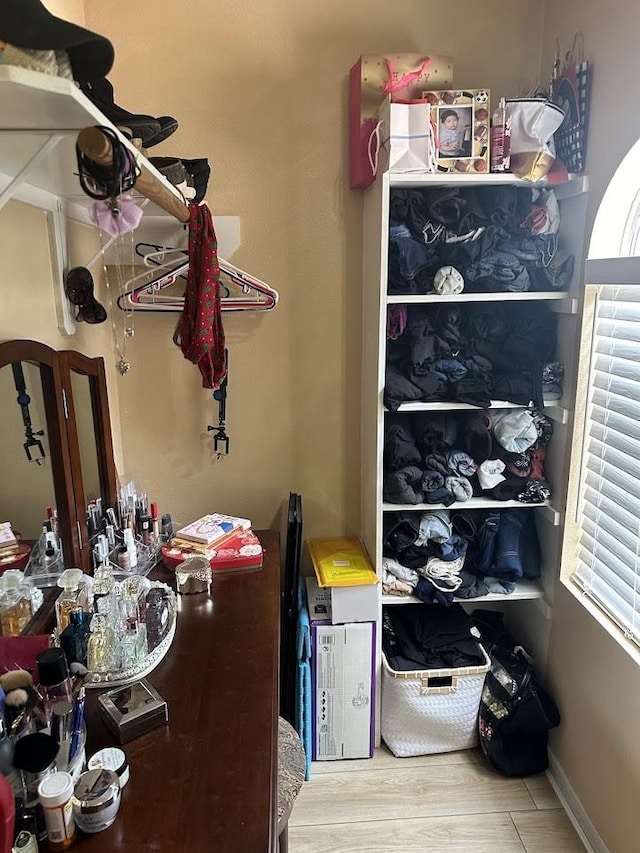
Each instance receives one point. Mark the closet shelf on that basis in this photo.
(524, 590)
(478, 503)
(40, 118)
(500, 296)
(553, 408)
(574, 186)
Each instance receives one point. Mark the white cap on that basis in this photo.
(55, 790)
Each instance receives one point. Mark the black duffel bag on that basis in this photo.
(516, 714)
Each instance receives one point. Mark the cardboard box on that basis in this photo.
(343, 690)
(341, 604)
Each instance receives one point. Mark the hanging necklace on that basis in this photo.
(127, 327)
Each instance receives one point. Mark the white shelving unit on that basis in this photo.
(40, 118)
(528, 608)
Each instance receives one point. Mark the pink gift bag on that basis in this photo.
(404, 77)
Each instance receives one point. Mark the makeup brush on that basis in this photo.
(16, 678)
(15, 706)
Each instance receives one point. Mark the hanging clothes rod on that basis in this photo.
(97, 147)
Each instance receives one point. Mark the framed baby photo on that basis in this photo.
(461, 123)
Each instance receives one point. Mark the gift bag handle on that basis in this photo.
(375, 154)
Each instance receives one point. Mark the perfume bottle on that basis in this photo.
(130, 644)
(15, 603)
(102, 651)
(69, 599)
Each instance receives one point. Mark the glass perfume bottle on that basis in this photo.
(69, 599)
(15, 603)
(130, 649)
(102, 651)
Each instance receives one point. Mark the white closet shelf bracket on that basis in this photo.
(16, 182)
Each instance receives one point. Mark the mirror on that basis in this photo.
(27, 485)
(68, 403)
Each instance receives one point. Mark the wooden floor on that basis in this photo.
(451, 802)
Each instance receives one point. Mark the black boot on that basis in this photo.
(151, 130)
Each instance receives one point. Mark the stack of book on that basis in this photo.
(13, 554)
(226, 541)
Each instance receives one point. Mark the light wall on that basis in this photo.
(596, 683)
(260, 88)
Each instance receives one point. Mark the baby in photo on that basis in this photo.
(452, 130)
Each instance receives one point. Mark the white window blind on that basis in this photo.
(609, 504)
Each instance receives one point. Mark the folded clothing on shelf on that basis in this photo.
(474, 353)
(447, 457)
(498, 238)
(450, 553)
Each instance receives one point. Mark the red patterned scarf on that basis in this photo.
(200, 331)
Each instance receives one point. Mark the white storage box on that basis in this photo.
(433, 710)
(341, 604)
(343, 687)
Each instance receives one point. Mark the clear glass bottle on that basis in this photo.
(70, 597)
(102, 651)
(15, 603)
(130, 644)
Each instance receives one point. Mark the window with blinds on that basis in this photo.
(608, 555)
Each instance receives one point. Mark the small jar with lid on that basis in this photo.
(96, 800)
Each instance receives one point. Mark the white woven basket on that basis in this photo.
(434, 710)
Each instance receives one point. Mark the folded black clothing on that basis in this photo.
(433, 386)
(400, 531)
(403, 486)
(417, 556)
(438, 462)
(474, 391)
(399, 389)
(431, 481)
(439, 496)
(435, 432)
(400, 448)
(430, 638)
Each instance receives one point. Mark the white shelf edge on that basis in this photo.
(554, 408)
(524, 591)
(500, 296)
(575, 185)
(547, 508)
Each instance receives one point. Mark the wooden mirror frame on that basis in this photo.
(56, 368)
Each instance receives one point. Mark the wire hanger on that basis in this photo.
(148, 296)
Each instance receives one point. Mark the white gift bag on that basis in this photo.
(404, 139)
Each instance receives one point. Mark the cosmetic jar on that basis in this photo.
(193, 575)
(96, 800)
(55, 793)
(111, 758)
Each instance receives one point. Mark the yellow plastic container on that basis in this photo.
(341, 561)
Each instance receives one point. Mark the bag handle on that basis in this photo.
(374, 157)
(393, 85)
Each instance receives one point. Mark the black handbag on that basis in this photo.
(516, 714)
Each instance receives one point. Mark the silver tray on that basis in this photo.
(122, 677)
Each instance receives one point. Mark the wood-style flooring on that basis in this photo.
(430, 804)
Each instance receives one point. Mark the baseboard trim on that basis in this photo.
(576, 812)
